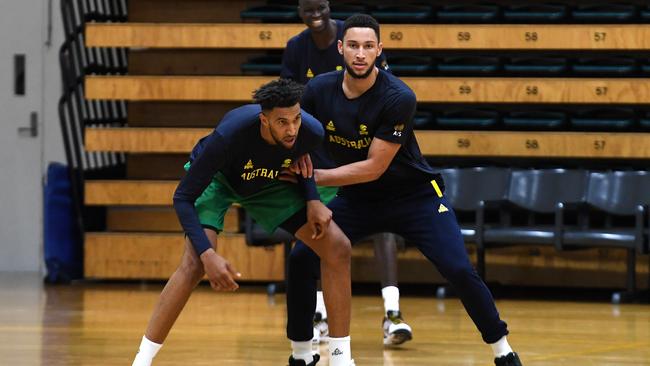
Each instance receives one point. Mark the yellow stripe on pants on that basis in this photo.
(435, 186)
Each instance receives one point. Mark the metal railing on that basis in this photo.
(75, 112)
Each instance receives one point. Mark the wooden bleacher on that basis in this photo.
(129, 192)
(143, 140)
(427, 89)
(156, 219)
(434, 143)
(149, 255)
(144, 239)
(394, 36)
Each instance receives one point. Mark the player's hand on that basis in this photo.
(288, 175)
(219, 271)
(303, 166)
(318, 218)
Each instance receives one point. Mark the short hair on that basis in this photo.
(279, 93)
(361, 21)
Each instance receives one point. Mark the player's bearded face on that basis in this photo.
(284, 124)
(360, 48)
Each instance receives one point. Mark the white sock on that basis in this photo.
(302, 351)
(320, 304)
(391, 298)
(501, 347)
(340, 353)
(146, 352)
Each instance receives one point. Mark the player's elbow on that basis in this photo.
(179, 201)
(376, 170)
(178, 206)
(374, 175)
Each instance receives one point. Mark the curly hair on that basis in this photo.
(278, 93)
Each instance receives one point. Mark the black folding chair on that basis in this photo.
(614, 218)
(527, 214)
(465, 189)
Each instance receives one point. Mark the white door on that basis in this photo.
(22, 37)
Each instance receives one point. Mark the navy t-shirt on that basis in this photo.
(237, 150)
(384, 111)
(302, 59)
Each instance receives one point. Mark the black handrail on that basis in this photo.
(75, 112)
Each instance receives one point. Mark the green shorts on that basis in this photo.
(270, 207)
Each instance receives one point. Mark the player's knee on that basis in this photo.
(191, 268)
(460, 274)
(339, 252)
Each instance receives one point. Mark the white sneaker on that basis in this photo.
(141, 361)
(396, 331)
(316, 338)
(321, 329)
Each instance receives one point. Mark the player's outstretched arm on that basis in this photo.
(318, 215)
(380, 155)
(201, 172)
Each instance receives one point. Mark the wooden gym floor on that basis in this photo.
(101, 324)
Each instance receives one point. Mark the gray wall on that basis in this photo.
(16, 255)
(52, 140)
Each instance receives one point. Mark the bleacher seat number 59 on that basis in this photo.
(265, 35)
(464, 36)
(531, 36)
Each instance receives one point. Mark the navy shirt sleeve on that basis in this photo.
(312, 131)
(290, 67)
(211, 159)
(312, 137)
(308, 101)
(397, 117)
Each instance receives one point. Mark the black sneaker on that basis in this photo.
(511, 359)
(294, 362)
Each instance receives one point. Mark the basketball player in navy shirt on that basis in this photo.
(313, 52)
(386, 184)
(242, 161)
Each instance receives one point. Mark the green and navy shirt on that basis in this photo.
(237, 150)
